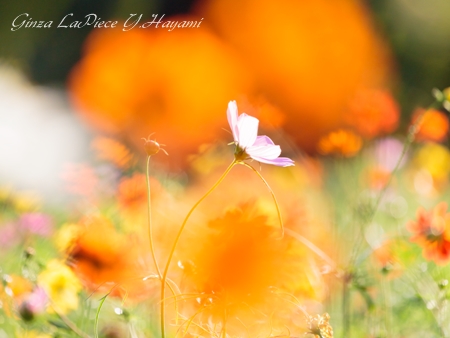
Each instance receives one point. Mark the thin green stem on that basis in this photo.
(385, 285)
(168, 281)
(272, 193)
(345, 307)
(177, 238)
(97, 314)
(149, 213)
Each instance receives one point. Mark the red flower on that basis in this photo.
(432, 232)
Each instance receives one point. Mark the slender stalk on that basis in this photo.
(97, 314)
(177, 238)
(149, 213)
(345, 307)
(385, 285)
(224, 326)
(168, 281)
(271, 192)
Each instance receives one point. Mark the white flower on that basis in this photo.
(249, 144)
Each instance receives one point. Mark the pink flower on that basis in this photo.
(34, 304)
(248, 144)
(37, 300)
(9, 236)
(36, 223)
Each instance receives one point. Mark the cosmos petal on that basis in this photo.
(247, 127)
(232, 115)
(280, 161)
(268, 152)
(263, 140)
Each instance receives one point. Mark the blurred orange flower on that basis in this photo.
(309, 57)
(240, 265)
(341, 142)
(132, 192)
(13, 289)
(432, 232)
(383, 255)
(103, 258)
(373, 113)
(112, 151)
(377, 177)
(6, 301)
(18, 286)
(132, 201)
(433, 125)
(173, 83)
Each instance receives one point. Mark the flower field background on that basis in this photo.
(282, 170)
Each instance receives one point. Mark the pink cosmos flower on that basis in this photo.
(248, 144)
(36, 223)
(37, 300)
(34, 304)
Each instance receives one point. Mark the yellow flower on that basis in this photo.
(25, 201)
(66, 236)
(61, 285)
(435, 159)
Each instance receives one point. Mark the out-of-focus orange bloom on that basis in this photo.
(383, 255)
(132, 200)
(13, 291)
(240, 265)
(102, 258)
(132, 192)
(378, 177)
(112, 151)
(173, 83)
(433, 125)
(18, 286)
(341, 142)
(270, 116)
(6, 301)
(308, 57)
(373, 113)
(386, 256)
(432, 232)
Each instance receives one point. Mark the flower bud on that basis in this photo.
(151, 147)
